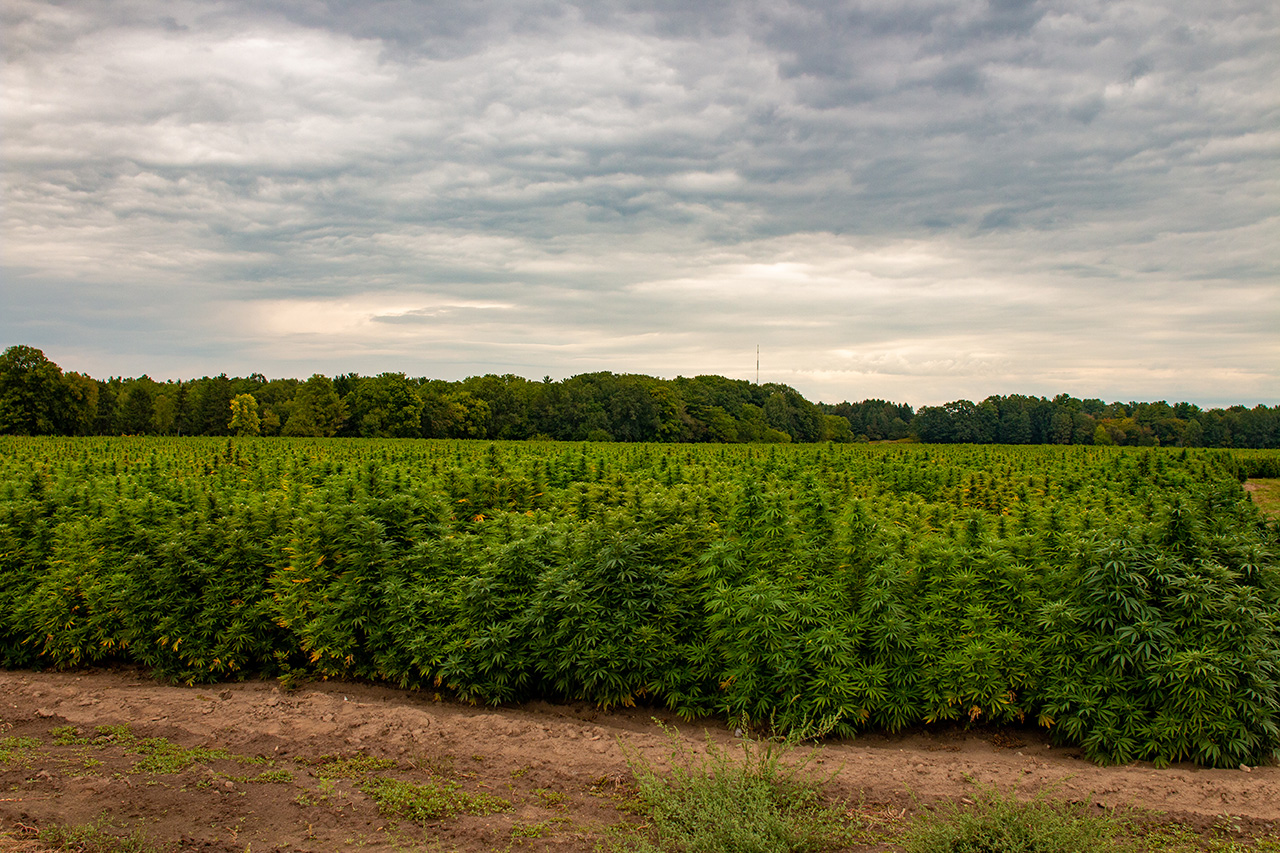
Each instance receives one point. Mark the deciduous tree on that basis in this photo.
(244, 415)
(34, 399)
(317, 409)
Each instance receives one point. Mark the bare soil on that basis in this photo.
(562, 768)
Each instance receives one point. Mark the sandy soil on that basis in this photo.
(561, 768)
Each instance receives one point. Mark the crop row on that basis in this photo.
(1127, 600)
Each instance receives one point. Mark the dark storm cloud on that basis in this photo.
(918, 200)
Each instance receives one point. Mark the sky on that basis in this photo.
(914, 200)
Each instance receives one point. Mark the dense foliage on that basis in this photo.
(1128, 599)
(37, 398)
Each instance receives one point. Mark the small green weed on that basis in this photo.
(1000, 823)
(67, 736)
(719, 803)
(531, 830)
(433, 801)
(16, 750)
(266, 776)
(1174, 838)
(94, 838)
(350, 767)
(550, 799)
(160, 755)
(325, 788)
(107, 735)
(78, 764)
(118, 735)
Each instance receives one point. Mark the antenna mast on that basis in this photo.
(757, 364)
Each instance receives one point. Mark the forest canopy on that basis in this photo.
(38, 398)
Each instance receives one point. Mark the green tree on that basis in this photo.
(135, 407)
(1193, 435)
(712, 423)
(836, 428)
(669, 409)
(82, 392)
(207, 402)
(506, 405)
(1082, 427)
(786, 411)
(450, 412)
(385, 406)
(1015, 422)
(244, 415)
(275, 399)
(317, 409)
(34, 399)
(1061, 427)
(165, 411)
(933, 425)
(752, 426)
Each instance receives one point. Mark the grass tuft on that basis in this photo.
(1000, 823)
(92, 838)
(1265, 494)
(722, 803)
(279, 776)
(17, 749)
(433, 801)
(350, 766)
(160, 755)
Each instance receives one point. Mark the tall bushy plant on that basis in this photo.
(327, 594)
(1163, 650)
(976, 662)
(488, 656)
(77, 613)
(604, 623)
(1128, 601)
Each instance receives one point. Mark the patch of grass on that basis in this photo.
(160, 755)
(16, 750)
(67, 736)
(1265, 494)
(433, 801)
(722, 803)
(350, 766)
(1000, 823)
(107, 735)
(320, 795)
(118, 735)
(78, 764)
(531, 830)
(266, 776)
(551, 799)
(93, 838)
(1174, 838)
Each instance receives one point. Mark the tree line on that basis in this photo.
(38, 398)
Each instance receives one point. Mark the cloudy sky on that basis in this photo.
(919, 200)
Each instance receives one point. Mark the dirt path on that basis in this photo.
(65, 758)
